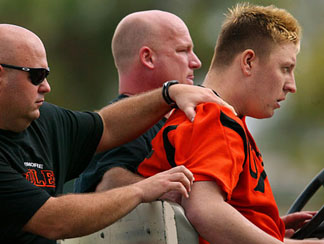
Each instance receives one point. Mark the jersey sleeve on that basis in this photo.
(209, 148)
(19, 201)
(212, 147)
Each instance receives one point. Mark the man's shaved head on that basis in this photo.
(15, 42)
(149, 28)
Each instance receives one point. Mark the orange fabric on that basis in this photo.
(218, 147)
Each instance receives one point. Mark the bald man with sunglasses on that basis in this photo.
(42, 146)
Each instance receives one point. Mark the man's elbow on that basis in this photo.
(51, 232)
(49, 223)
(194, 215)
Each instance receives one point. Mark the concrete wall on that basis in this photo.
(159, 222)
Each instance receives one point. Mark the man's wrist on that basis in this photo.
(166, 95)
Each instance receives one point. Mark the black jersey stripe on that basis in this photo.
(232, 124)
(169, 149)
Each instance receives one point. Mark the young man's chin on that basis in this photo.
(264, 115)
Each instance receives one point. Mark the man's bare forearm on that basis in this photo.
(117, 177)
(127, 119)
(130, 117)
(291, 241)
(217, 221)
(75, 215)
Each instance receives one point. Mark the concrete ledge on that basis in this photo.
(159, 222)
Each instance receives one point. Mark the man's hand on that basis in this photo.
(296, 220)
(172, 196)
(187, 97)
(177, 179)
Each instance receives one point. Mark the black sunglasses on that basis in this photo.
(36, 75)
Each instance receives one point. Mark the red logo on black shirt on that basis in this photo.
(41, 177)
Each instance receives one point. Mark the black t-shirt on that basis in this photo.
(35, 164)
(127, 156)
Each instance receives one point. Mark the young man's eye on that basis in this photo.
(286, 69)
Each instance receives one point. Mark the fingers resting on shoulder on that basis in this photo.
(187, 97)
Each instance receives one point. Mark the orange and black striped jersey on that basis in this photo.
(218, 147)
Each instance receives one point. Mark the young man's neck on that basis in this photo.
(220, 83)
(215, 82)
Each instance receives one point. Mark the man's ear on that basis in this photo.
(146, 57)
(247, 61)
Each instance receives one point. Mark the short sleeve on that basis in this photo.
(211, 150)
(19, 200)
(210, 147)
(72, 137)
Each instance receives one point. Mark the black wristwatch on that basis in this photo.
(166, 95)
